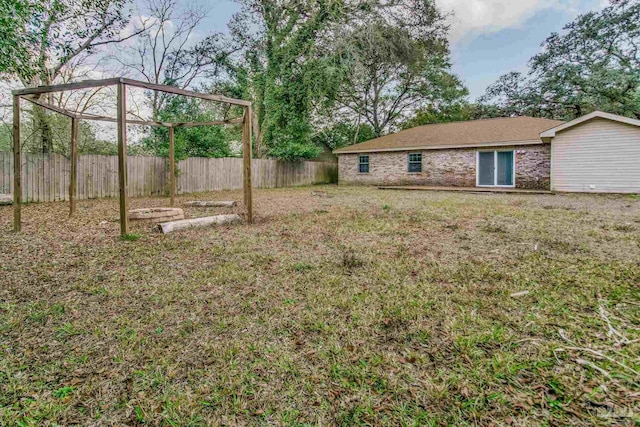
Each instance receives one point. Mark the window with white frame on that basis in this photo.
(415, 162)
(363, 164)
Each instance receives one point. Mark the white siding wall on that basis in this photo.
(598, 156)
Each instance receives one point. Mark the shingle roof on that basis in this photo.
(473, 133)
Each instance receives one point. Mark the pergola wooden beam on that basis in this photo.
(89, 84)
(86, 84)
(122, 121)
(85, 116)
(236, 121)
(185, 92)
(115, 120)
(48, 106)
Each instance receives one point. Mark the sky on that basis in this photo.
(488, 37)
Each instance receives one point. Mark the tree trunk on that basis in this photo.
(257, 144)
(42, 129)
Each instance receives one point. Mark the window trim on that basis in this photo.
(360, 163)
(409, 162)
(495, 168)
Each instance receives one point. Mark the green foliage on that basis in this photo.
(63, 392)
(343, 134)
(396, 67)
(5, 138)
(43, 37)
(340, 61)
(593, 65)
(40, 41)
(60, 128)
(15, 16)
(130, 237)
(289, 73)
(456, 112)
(200, 141)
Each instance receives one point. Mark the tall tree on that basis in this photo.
(169, 52)
(300, 62)
(594, 64)
(395, 69)
(287, 73)
(57, 33)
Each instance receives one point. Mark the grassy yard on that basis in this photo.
(366, 307)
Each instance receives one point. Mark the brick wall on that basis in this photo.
(453, 167)
(533, 167)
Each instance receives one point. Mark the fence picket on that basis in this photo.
(45, 177)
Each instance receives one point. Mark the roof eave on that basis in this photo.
(551, 133)
(439, 147)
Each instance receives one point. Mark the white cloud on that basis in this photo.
(473, 17)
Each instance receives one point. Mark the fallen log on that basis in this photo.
(169, 227)
(212, 204)
(6, 199)
(156, 214)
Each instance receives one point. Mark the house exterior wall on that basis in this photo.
(448, 167)
(597, 156)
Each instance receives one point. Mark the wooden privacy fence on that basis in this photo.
(45, 177)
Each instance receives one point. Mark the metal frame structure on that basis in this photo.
(33, 95)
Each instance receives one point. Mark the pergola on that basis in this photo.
(33, 95)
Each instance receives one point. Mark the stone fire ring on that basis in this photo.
(156, 214)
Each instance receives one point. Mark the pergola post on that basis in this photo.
(122, 157)
(32, 94)
(172, 165)
(17, 166)
(73, 179)
(246, 164)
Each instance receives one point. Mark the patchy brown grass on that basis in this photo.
(365, 307)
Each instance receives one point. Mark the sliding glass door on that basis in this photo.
(496, 168)
(505, 168)
(486, 168)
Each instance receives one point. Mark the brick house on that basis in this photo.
(514, 152)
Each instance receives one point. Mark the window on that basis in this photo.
(415, 162)
(363, 164)
(495, 168)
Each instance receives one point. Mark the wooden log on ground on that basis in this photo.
(169, 227)
(6, 199)
(212, 204)
(156, 214)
